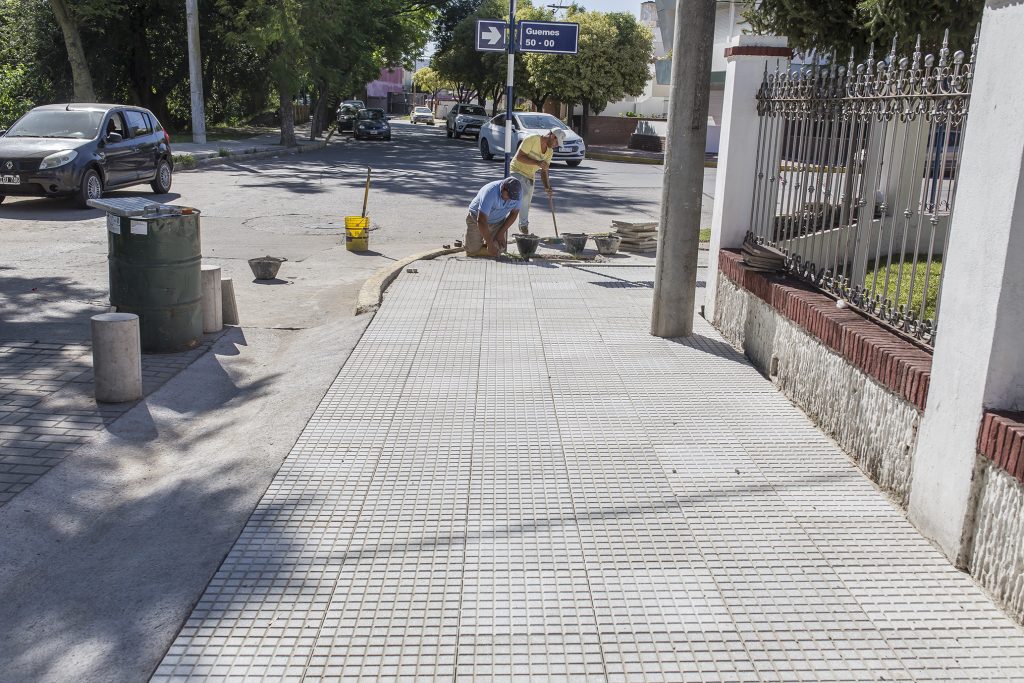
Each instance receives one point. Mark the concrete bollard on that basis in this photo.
(228, 305)
(213, 304)
(116, 357)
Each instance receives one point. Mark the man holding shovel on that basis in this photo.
(535, 152)
(491, 213)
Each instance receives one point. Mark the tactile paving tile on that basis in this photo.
(511, 480)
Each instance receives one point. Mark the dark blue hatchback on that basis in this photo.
(82, 150)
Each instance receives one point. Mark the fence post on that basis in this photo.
(746, 59)
(979, 356)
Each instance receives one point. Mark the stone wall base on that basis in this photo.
(874, 425)
(997, 552)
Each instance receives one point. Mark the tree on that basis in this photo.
(613, 62)
(428, 79)
(841, 25)
(76, 53)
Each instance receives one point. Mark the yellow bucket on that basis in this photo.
(357, 233)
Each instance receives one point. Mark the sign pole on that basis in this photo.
(510, 84)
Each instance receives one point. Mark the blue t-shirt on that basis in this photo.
(489, 200)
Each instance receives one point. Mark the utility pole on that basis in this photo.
(195, 72)
(509, 89)
(675, 279)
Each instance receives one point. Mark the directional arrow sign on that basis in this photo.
(557, 37)
(490, 35)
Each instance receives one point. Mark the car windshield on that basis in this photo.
(474, 111)
(422, 110)
(371, 115)
(544, 121)
(50, 123)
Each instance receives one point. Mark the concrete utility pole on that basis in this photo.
(675, 280)
(195, 72)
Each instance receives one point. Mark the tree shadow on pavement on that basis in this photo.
(453, 175)
(63, 210)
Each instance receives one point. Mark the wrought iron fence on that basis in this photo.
(856, 176)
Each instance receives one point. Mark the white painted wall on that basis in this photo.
(737, 155)
(979, 353)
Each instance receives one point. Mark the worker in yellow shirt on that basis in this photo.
(535, 152)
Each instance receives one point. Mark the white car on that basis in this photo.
(422, 115)
(492, 136)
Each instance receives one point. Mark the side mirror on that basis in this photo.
(114, 137)
(3, 133)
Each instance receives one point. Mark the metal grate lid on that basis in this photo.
(132, 207)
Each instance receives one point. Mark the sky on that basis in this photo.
(632, 6)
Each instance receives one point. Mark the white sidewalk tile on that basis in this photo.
(511, 480)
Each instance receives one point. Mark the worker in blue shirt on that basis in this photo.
(494, 208)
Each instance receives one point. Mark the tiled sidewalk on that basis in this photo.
(47, 409)
(511, 480)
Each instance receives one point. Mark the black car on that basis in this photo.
(347, 117)
(372, 123)
(82, 150)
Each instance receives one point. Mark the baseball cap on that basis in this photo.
(559, 135)
(513, 187)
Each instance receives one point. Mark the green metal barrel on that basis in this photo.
(154, 265)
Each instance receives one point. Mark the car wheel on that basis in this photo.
(162, 182)
(91, 187)
(448, 131)
(485, 150)
(573, 163)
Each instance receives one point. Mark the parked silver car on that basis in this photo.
(465, 119)
(492, 136)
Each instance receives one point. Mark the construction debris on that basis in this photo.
(637, 237)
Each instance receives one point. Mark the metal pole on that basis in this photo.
(195, 72)
(510, 83)
(675, 279)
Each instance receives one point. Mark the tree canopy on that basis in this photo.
(613, 62)
(841, 25)
(256, 53)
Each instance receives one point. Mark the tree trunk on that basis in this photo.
(319, 114)
(76, 54)
(287, 118)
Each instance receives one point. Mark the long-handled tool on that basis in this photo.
(551, 204)
(366, 192)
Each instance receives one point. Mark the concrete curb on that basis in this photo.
(602, 156)
(372, 291)
(255, 154)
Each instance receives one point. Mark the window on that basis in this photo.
(499, 120)
(51, 123)
(153, 123)
(137, 123)
(115, 124)
(472, 110)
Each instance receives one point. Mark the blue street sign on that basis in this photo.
(557, 37)
(490, 35)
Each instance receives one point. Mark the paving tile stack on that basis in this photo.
(637, 237)
(762, 257)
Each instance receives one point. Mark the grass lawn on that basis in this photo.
(226, 133)
(876, 279)
(705, 234)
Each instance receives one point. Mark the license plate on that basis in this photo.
(567, 150)
(10, 180)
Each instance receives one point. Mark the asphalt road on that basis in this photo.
(54, 255)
